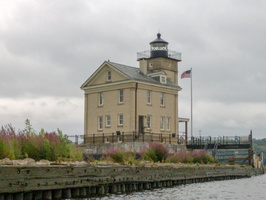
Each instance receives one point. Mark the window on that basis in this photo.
(162, 99)
(108, 120)
(109, 75)
(120, 120)
(100, 94)
(163, 79)
(168, 123)
(121, 96)
(148, 97)
(162, 123)
(148, 121)
(100, 123)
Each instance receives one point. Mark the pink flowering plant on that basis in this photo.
(156, 152)
(28, 144)
(119, 155)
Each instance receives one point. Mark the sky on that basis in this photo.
(49, 48)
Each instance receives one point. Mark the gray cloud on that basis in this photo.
(49, 48)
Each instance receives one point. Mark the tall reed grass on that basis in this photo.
(43, 145)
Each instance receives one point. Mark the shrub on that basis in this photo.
(119, 155)
(156, 152)
(202, 157)
(50, 146)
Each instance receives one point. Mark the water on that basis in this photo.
(253, 188)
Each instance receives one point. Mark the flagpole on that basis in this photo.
(191, 104)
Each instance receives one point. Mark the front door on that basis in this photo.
(141, 124)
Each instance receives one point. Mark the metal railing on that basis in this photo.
(76, 139)
(123, 137)
(222, 140)
(147, 54)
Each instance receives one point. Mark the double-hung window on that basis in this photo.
(148, 97)
(109, 76)
(162, 123)
(100, 97)
(168, 123)
(120, 120)
(121, 96)
(148, 121)
(108, 120)
(100, 123)
(162, 99)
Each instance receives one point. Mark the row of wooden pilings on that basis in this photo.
(105, 189)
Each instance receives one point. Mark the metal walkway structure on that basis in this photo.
(225, 148)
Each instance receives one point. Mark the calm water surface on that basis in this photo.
(244, 189)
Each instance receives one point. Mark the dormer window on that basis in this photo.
(163, 79)
(109, 76)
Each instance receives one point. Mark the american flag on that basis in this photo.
(186, 74)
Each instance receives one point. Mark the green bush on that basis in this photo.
(49, 146)
(156, 152)
(119, 155)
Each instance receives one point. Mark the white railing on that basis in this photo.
(171, 54)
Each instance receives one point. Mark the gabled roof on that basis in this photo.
(130, 72)
(136, 74)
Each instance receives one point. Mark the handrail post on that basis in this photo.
(123, 139)
(103, 138)
(93, 138)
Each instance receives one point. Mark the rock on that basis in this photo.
(26, 161)
(43, 162)
(6, 161)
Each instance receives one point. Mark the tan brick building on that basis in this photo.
(134, 102)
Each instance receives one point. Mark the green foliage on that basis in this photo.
(121, 156)
(27, 143)
(156, 152)
(200, 157)
(259, 145)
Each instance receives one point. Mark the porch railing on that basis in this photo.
(123, 137)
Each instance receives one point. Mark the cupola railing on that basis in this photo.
(171, 54)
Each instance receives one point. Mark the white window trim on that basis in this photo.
(149, 120)
(106, 121)
(149, 97)
(100, 99)
(109, 76)
(162, 99)
(163, 79)
(119, 96)
(100, 123)
(168, 123)
(162, 123)
(118, 120)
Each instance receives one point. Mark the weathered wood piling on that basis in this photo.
(64, 182)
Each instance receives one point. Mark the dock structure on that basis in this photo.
(225, 148)
(65, 182)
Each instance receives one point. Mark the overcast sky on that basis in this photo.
(49, 48)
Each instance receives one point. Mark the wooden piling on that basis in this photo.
(47, 195)
(57, 194)
(37, 195)
(101, 190)
(75, 192)
(66, 193)
(123, 188)
(18, 196)
(82, 192)
(28, 196)
(8, 197)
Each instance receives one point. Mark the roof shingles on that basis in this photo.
(136, 74)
